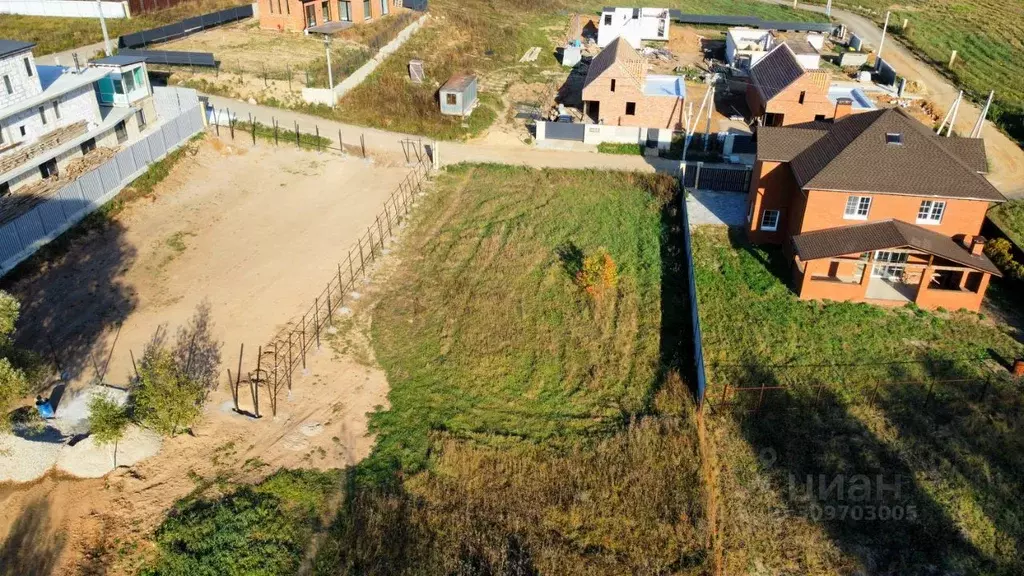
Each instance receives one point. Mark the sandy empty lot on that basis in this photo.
(256, 232)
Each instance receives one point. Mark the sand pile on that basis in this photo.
(28, 453)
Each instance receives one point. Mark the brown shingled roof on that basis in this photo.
(779, 68)
(854, 156)
(782, 144)
(618, 53)
(883, 235)
(970, 150)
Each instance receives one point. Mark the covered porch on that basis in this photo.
(912, 265)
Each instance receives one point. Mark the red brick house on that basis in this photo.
(618, 91)
(300, 15)
(875, 207)
(782, 93)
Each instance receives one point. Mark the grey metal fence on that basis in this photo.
(22, 236)
(700, 377)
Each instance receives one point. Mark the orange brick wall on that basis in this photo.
(291, 14)
(651, 111)
(814, 84)
(772, 187)
(825, 210)
(809, 289)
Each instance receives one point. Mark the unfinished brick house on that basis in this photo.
(875, 207)
(300, 15)
(781, 92)
(618, 91)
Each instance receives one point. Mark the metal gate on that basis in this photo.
(564, 131)
(720, 178)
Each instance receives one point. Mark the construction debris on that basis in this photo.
(531, 55)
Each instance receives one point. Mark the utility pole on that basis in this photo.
(103, 25)
(976, 133)
(885, 27)
(828, 9)
(330, 73)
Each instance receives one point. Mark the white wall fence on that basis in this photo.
(65, 8)
(21, 237)
(324, 96)
(595, 134)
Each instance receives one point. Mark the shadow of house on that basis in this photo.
(72, 293)
(865, 493)
(33, 545)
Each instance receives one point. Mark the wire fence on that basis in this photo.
(278, 360)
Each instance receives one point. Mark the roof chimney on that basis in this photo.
(844, 107)
(977, 245)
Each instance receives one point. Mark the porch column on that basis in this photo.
(926, 278)
(865, 276)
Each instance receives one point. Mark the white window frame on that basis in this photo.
(764, 218)
(858, 204)
(932, 211)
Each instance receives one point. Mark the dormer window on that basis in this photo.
(894, 138)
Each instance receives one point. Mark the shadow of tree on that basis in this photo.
(33, 545)
(829, 465)
(73, 295)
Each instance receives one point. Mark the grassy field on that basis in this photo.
(532, 426)
(1009, 216)
(988, 39)
(954, 449)
(59, 34)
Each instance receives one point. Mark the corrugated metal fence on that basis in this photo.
(22, 236)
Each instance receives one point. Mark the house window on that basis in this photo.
(49, 168)
(383, 6)
(857, 208)
(140, 118)
(122, 132)
(287, 6)
(7, 84)
(607, 19)
(894, 138)
(819, 117)
(931, 212)
(56, 109)
(88, 146)
(5, 188)
(28, 67)
(613, 84)
(366, 10)
(802, 95)
(630, 108)
(22, 129)
(325, 7)
(270, 4)
(450, 99)
(344, 10)
(770, 220)
(42, 114)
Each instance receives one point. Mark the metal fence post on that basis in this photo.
(317, 138)
(252, 126)
(362, 144)
(316, 320)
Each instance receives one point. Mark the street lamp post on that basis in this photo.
(330, 73)
(103, 25)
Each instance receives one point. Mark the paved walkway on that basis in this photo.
(708, 207)
(381, 141)
(1005, 156)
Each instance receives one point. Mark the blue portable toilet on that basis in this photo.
(458, 95)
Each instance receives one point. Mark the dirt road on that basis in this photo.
(1006, 158)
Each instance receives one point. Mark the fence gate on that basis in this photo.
(719, 178)
(564, 131)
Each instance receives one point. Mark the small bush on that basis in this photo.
(1001, 252)
(598, 274)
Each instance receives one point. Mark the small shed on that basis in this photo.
(458, 95)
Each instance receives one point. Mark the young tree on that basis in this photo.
(165, 399)
(175, 382)
(13, 382)
(108, 421)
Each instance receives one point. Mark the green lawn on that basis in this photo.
(1009, 216)
(953, 448)
(531, 426)
(52, 34)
